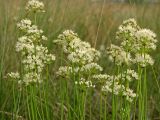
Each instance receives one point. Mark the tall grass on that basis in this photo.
(59, 98)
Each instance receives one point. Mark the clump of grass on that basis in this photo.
(34, 58)
(134, 50)
(80, 75)
(81, 66)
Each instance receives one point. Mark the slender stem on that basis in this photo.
(100, 106)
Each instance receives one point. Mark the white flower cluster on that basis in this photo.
(145, 40)
(85, 83)
(34, 56)
(130, 95)
(116, 88)
(91, 67)
(126, 34)
(13, 75)
(113, 84)
(35, 6)
(24, 25)
(31, 30)
(138, 41)
(143, 59)
(118, 55)
(65, 71)
(128, 75)
(101, 77)
(79, 53)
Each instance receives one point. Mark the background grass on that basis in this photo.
(93, 21)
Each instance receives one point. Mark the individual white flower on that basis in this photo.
(35, 6)
(50, 58)
(44, 38)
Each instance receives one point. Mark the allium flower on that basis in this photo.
(35, 32)
(116, 88)
(34, 55)
(66, 37)
(130, 22)
(128, 75)
(128, 93)
(13, 75)
(145, 40)
(85, 83)
(34, 59)
(31, 77)
(108, 85)
(64, 71)
(113, 84)
(91, 67)
(35, 6)
(37, 61)
(24, 24)
(81, 56)
(118, 55)
(24, 44)
(126, 34)
(31, 31)
(78, 51)
(143, 59)
(101, 77)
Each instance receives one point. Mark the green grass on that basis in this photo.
(96, 23)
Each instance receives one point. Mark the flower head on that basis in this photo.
(145, 40)
(35, 6)
(143, 59)
(126, 34)
(118, 55)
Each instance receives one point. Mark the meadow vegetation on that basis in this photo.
(79, 60)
